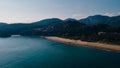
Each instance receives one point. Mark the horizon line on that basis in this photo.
(57, 18)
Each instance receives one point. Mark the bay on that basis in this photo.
(36, 52)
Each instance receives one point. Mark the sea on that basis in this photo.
(37, 52)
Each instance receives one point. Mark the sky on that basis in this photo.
(27, 11)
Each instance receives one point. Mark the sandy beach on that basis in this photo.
(88, 44)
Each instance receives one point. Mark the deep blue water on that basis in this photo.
(36, 52)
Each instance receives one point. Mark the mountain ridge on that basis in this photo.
(88, 20)
(114, 20)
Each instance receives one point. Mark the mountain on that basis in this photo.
(73, 23)
(115, 21)
(95, 19)
(2, 24)
(47, 21)
(70, 19)
(100, 19)
(65, 27)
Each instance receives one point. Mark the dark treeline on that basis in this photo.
(94, 28)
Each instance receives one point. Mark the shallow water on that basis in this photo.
(36, 52)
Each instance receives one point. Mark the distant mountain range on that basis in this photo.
(93, 28)
(91, 20)
(115, 20)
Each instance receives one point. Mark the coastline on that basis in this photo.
(84, 43)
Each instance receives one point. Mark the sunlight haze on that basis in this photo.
(26, 11)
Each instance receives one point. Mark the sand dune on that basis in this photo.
(89, 44)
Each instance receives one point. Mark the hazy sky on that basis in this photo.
(12, 11)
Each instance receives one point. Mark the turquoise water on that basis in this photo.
(35, 52)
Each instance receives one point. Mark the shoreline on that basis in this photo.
(84, 43)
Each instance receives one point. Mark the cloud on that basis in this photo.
(108, 14)
(112, 14)
(118, 13)
(82, 15)
(78, 15)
